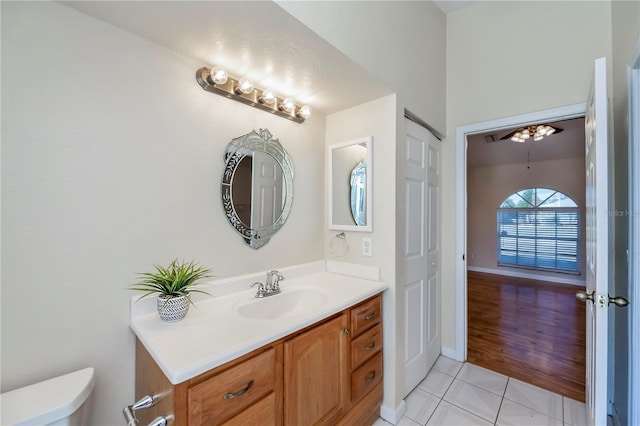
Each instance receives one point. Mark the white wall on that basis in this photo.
(402, 43)
(111, 161)
(487, 188)
(377, 119)
(490, 75)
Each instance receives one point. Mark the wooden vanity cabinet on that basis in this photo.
(316, 374)
(329, 373)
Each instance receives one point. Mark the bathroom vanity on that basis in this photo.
(318, 364)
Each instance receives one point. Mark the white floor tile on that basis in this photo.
(514, 414)
(449, 415)
(474, 399)
(481, 377)
(380, 422)
(447, 365)
(436, 383)
(575, 412)
(406, 421)
(420, 405)
(540, 400)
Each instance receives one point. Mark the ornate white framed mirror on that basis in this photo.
(350, 186)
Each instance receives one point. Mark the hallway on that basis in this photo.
(533, 331)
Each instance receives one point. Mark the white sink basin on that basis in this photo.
(288, 303)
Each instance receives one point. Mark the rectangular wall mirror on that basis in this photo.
(350, 185)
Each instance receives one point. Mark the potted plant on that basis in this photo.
(172, 285)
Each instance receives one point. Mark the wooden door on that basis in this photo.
(316, 374)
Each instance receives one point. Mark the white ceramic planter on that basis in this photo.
(172, 309)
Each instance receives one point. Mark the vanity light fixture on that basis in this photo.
(217, 80)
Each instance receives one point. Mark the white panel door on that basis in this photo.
(434, 162)
(597, 245)
(421, 285)
(266, 191)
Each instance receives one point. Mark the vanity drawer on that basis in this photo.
(364, 346)
(365, 315)
(366, 377)
(262, 412)
(225, 394)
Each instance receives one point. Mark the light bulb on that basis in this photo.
(537, 138)
(550, 131)
(304, 112)
(267, 97)
(218, 75)
(244, 86)
(287, 105)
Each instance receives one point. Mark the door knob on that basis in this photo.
(618, 301)
(583, 296)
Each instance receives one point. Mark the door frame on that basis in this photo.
(555, 114)
(633, 111)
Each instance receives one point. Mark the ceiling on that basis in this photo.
(258, 40)
(567, 144)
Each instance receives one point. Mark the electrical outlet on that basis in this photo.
(367, 249)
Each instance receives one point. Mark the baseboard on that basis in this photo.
(530, 276)
(450, 353)
(393, 416)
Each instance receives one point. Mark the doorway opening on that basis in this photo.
(485, 180)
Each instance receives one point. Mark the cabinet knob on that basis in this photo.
(369, 377)
(369, 316)
(346, 331)
(370, 346)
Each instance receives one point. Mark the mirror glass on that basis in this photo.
(257, 186)
(350, 189)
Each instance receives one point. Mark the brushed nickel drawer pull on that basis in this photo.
(370, 346)
(369, 315)
(240, 392)
(369, 378)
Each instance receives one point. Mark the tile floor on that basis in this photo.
(459, 394)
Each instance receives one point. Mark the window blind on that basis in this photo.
(539, 238)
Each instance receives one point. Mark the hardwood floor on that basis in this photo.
(533, 331)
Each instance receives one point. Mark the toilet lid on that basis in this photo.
(46, 402)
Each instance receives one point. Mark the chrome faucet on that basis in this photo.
(272, 285)
(273, 282)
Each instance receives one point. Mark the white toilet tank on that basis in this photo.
(61, 401)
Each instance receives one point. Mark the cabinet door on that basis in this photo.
(316, 375)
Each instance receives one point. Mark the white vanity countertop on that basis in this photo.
(213, 331)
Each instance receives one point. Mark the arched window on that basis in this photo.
(539, 228)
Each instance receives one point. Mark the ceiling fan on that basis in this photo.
(536, 131)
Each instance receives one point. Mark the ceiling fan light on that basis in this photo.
(550, 131)
(538, 138)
